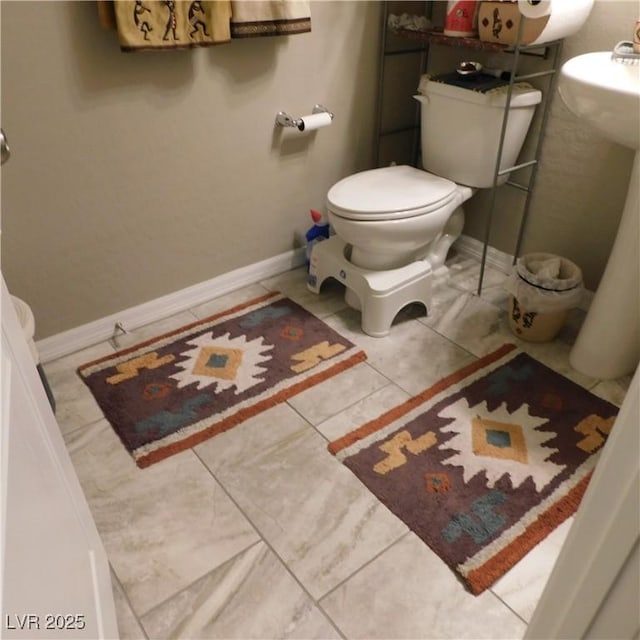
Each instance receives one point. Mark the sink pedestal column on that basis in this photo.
(608, 345)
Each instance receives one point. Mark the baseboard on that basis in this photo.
(502, 261)
(67, 342)
(473, 248)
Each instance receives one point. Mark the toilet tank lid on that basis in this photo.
(523, 94)
(391, 189)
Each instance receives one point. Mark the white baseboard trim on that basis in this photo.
(502, 261)
(67, 342)
(473, 248)
(86, 335)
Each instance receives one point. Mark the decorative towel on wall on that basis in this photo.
(255, 18)
(168, 24)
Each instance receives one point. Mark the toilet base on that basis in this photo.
(381, 294)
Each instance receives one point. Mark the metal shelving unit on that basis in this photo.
(548, 53)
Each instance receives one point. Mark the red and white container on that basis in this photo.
(461, 20)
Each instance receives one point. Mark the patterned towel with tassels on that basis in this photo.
(180, 24)
(167, 24)
(255, 18)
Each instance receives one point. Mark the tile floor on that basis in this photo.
(261, 533)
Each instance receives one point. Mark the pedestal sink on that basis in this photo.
(605, 93)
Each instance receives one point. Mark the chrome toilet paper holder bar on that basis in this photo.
(285, 120)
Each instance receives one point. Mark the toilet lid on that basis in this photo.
(389, 193)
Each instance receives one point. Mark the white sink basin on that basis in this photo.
(605, 93)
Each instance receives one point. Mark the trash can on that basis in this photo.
(28, 325)
(543, 288)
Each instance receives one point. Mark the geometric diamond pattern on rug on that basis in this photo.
(223, 362)
(498, 440)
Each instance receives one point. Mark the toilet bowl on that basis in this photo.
(396, 215)
(387, 219)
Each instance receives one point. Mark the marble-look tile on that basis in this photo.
(555, 355)
(294, 285)
(473, 323)
(250, 596)
(464, 273)
(75, 406)
(481, 327)
(152, 330)
(413, 356)
(521, 587)
(162, 527)
(361, 412)
(129, 627)
(408, 592)
(337, 393)
(316, 515)
(614, 391)
(228, 301)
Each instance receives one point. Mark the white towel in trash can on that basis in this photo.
(545, 283)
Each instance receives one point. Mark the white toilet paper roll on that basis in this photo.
(315, 121)
(534, 8)
(566, 17)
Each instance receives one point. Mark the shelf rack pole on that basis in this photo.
(381, 66)
(496, 173)
(543, 124)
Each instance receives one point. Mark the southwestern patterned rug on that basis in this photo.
(486, 463)
(177, 390)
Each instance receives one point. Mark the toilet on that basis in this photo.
(394, 226)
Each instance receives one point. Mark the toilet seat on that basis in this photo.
(390, 193)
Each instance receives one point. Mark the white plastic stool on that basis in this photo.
(381, 294)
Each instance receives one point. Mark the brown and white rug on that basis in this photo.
(486, 463)
(175, 391)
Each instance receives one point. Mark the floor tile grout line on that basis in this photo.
(345, 408)
(84, 425)
(366, 564)
(115, 575)
(232, 558)
(329, 440)
(508, 606)
(268, 544)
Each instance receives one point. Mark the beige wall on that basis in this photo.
(135, 175)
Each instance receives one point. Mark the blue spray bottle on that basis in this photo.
(318, 232)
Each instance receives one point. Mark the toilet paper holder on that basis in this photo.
(285, 120)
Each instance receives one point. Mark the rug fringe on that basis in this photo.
(147, 459)
(145, 343)
(397, 412)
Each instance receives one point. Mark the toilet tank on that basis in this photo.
(460, 130)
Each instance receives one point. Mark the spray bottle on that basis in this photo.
(318, 232)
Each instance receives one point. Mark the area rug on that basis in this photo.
(486, 463)
(177, 390)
